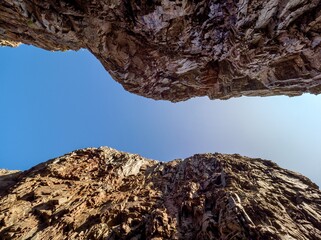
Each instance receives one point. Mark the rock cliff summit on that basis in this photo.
(106, 194)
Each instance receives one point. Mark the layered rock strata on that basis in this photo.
(106, 194)
(178, 49)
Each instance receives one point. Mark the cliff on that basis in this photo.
(106, 194)
(178, 49)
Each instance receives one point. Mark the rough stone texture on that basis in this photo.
(178, 49)
(7, 178)
(106, 194)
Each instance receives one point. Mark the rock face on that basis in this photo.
(178, 49)
(106, 194)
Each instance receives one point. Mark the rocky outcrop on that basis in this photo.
(7, 178)
(106, 194)
(178, 49)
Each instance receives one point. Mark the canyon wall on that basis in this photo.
(106, 194)
(176, 50)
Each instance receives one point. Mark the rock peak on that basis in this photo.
(106, 194)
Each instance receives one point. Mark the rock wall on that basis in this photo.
(106, 194)
(176, 50)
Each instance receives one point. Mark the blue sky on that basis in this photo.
(55, 102)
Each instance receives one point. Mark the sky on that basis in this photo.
(52, 103)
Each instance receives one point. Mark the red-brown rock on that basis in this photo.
(106, 194)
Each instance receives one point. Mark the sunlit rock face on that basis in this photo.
(176, 50)
(106, 194)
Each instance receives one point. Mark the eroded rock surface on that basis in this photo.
(106, 194)
(178, 49)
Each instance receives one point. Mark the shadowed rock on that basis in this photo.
(106, 194)
(176, 50)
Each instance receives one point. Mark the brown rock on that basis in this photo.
(106, 194)
(176, 50)
(8, 178)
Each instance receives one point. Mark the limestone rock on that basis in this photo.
(106, 194)
(179, 49)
